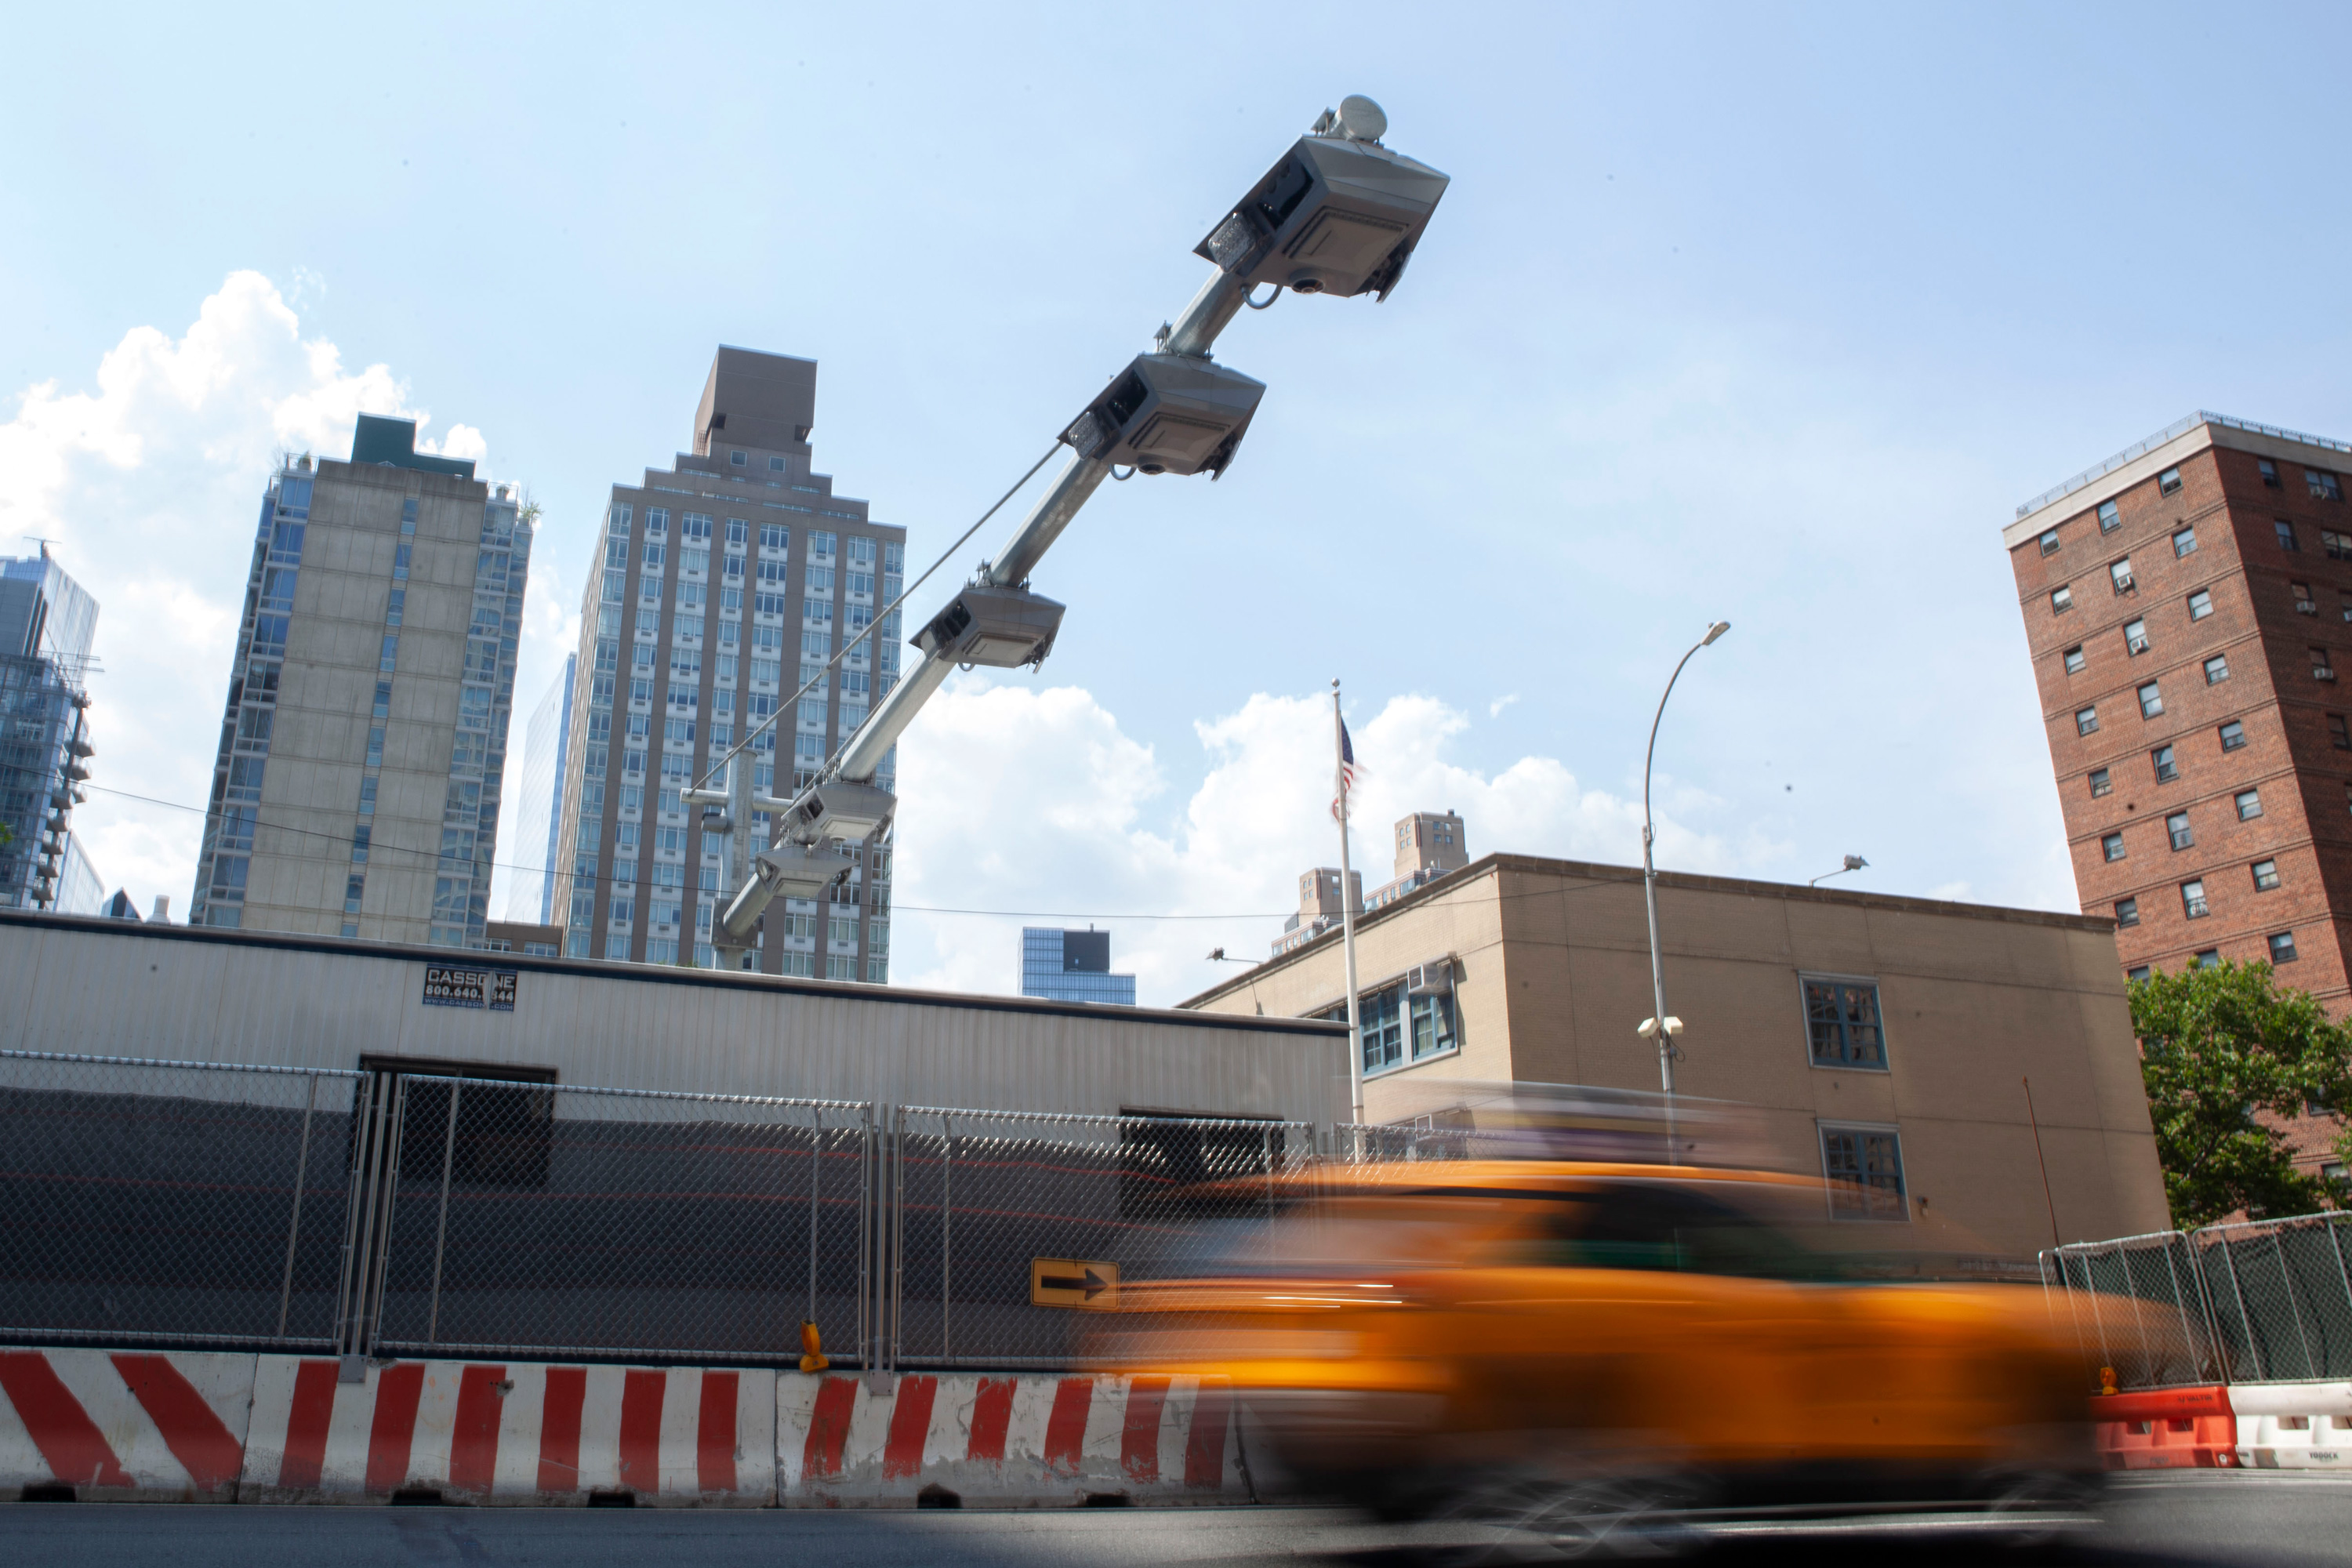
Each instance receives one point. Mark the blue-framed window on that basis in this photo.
(1398, 1030)
(1863, 1167)
(1842, 1022)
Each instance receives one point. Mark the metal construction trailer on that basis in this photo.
(116, 988)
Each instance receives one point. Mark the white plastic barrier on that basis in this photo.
(974, 1441)
(493, 1433)
(2293, 1426)
(122, 1426)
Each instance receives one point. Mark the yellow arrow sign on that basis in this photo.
(1073, 1282)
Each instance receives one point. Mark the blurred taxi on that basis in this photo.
(1577, 1338)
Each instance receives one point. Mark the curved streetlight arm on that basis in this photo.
(1664, 1032)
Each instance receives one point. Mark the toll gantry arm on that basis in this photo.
(1338, 213)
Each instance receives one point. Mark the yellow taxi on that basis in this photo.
(1581, 1348)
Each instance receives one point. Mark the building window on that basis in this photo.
(2061, 600)
(2135, 637)
(2109, 518)
(2192, 899)
(2127, 911)
(2151, 700)
(2285, 533)
(2339, 734)
(2086, 720)
(2283, 947)
(2176, 827)
(2112, 846)
(1842, 1022)
(2345, 594)
(2200, 604)
(2168, 482)
(2217, 669)
(2139, 972)
(2074, 660)
(2305, 605)
(2337, 546)
(2234, 735)
(2184, 542)
(2209, 958)
(2323, 485)
(2322, 666)
(2266, 877)
(2100, 782)
(2120, 574)
(2166, 771)
(1863, 1166)
(2250, 804)
(2050, 543)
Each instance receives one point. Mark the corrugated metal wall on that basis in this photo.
(114, 988)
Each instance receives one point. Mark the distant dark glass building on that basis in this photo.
(1072, 966)
(46, 622)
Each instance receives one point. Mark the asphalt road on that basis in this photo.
(2225, 1519)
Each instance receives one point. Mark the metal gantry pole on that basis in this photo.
(294, 1222)
(441, 1229)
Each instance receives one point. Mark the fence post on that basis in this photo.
(866, 1168)
(294, 1225)
(897, 1229)
(2294, 1306)
(2246, 1323)
(816, 1158)
(947, 1252)
(2335, 1242)
(441, 1230)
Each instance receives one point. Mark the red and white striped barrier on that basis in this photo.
(489, 1433)
(122, 1427)
(2293, 1426)
(967, 1440)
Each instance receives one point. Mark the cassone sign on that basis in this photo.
(452, 985)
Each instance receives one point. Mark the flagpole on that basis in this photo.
(1348, 922)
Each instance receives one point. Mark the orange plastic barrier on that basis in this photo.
(2166, 1429)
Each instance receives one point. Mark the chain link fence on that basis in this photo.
(1006, 1227)
(2260, 1301)
(181, 1202)
(2281, 1297)
(2138, 1304)
(530, 1219)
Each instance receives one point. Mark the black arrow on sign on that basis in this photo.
(1093, 1284)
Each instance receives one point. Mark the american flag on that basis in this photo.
(1346, 769)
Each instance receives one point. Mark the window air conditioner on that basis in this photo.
(2124, 583)
(1434, 978)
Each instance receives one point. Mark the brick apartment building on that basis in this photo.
(2189, 607)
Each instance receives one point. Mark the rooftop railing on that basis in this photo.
(2173, 431)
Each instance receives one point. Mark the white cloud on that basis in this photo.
(1032, 801)
(1495, 708)
(150, 480)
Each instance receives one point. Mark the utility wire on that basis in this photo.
(867, 630)
(1594, 886)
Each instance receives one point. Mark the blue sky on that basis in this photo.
(1769, 315)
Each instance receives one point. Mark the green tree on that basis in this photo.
(2218, 1046)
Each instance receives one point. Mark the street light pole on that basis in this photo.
(1662, 1028)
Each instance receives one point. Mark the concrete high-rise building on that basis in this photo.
(2189, 606)
(533, 898)
(362, 753)
(720, 586)
(1072, 966)
(46, 625)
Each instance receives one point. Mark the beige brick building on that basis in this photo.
(1886, 1034)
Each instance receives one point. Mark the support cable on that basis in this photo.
(793, 702)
